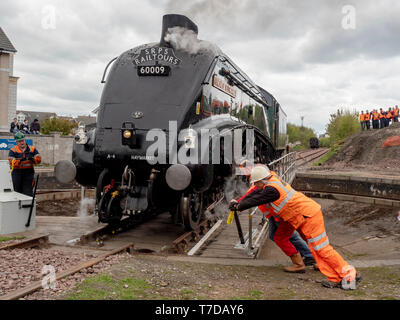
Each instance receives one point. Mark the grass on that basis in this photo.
(252, 295)
(104, 287)
(298, 148)
(11, 238)
(326, 157)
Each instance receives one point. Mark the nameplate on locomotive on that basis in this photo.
(156, 54)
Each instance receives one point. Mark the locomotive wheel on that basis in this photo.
(103, 180)
(191, 208)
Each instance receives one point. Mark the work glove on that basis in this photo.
(233, 205)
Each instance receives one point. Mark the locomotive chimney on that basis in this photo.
(175, 20)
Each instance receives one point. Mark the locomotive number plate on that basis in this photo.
(153, 71)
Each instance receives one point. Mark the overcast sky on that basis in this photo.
(313, 56)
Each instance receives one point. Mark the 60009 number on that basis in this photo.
(153, 70)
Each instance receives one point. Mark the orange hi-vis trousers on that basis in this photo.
(330, 262)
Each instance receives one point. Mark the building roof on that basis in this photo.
(32, 115)
(5, 43)
(86, 119)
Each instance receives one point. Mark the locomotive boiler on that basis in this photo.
(159, 104)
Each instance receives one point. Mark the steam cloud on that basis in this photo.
(86, 203)
(186, 40)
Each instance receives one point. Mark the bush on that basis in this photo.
(54, 124)
(325, 142)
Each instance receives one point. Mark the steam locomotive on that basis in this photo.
(156, 101)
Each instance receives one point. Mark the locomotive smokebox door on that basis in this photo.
(128, 134)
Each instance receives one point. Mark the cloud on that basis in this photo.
(297, 50)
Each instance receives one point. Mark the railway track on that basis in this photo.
(104, 241)
(305, 157)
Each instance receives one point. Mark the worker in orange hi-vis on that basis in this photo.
(396, 114)
(285, 237)
(362, 121)
(305, 216)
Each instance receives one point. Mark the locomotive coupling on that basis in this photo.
(178, 177)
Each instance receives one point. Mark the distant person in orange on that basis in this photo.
(396, 114)
(375, 119)
(304, 215)
(362, 121)
(389, 115)
(367, 118)
(382, 118)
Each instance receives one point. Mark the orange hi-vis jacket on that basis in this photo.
(367, 116)
(382, 114)
(389, 114)
(362, 117)
(375, 115)
(19, 159)
(292, 206)
(395, 112)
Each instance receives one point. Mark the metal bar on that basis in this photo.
(239, 227)
(33, 203)
(250, 233)
(105, 70)
(203, 240)
(261, 232)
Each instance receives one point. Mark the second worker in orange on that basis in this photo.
(304, 215)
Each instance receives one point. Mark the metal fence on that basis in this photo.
(285, 167)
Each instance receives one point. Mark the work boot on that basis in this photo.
(331, 284)
(309, 261)
(298, 264)
(315, 266)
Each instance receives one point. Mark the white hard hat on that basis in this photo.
(259, 173)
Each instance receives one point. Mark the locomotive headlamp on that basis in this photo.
(127, 134)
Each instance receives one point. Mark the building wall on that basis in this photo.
(12, 98)
(52, 148)
(4, 91)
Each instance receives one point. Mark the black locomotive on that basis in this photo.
(172, 90)
(314, 143)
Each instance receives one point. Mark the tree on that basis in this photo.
(55, 124)
(342, 124)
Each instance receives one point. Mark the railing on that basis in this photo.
(285, 167)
